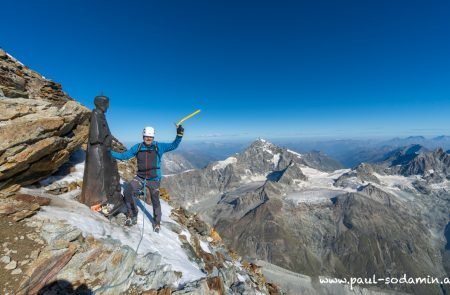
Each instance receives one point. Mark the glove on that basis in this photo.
(180, 130)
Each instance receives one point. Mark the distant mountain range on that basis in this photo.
(346, 153)
(385, 219)
(352, 152)
(197, 155)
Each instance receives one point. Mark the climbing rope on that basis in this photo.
(107, 286)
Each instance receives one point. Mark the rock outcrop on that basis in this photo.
(40, 125)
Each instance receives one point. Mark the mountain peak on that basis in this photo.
(404, 155)
(262, 141)
(421, 163)
(439, 152)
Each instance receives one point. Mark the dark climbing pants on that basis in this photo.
(132, 189)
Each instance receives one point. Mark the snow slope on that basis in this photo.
(64, 207)
(319, 186)
(166, 243)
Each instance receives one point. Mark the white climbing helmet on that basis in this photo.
(148, 131)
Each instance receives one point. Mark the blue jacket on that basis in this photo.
(162, 148)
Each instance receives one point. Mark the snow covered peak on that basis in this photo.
(264, 144)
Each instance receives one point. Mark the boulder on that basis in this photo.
(21, 206)
(40, 125)
(42, 201)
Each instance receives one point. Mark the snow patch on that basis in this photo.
(318, 178)
(205, 247)
(14, 59)
(266, 149)
(224, 163)
(319, 187)
(17, 61)
(187, 234)
(444, 185)
(77, 173)
(397, 185)
(314, 196)
(240, 278)
(276, 159)
(251, 177)
(168, 175)
(396, 181)
(295, 153)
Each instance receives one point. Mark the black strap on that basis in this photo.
(147, 151)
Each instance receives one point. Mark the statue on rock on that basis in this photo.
(101, 180)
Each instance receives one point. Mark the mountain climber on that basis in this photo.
(148, 154)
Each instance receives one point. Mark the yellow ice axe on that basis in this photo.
(187, 117)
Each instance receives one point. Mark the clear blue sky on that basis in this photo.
(255, 68)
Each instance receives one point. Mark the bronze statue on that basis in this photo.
(101, 181)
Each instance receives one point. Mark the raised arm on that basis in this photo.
(167, 147)
(127, 154)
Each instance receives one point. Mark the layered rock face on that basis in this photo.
(40, 125)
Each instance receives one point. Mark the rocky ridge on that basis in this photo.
(40, 125)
